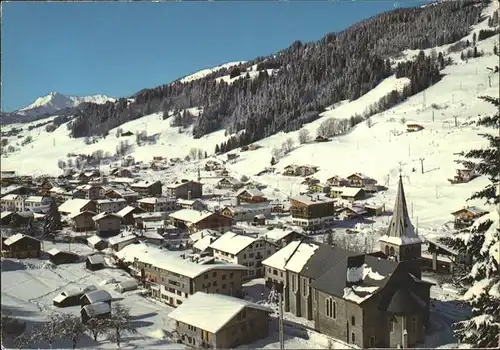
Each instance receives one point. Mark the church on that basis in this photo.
(374, 300)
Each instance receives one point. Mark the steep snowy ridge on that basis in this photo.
(55, 101)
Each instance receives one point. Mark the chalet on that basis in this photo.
(143, 219)
(173, 278)
(121, 172)
(21, 246)
(129, 195)
(290, 170)
(348, 193)
(100, 310)
(232, 156)
(46, 185)
(195, 204)
(374, 209)
(110, 205)
(127, 285)
(96, 296)
(243, 250)
(222, 172)
(464, 176)
(247, 212)
(71, 297)
(312, 210)
(77, 205)
(306, 170)
(107, 224)
(82, 221)
(97, 243)
(251, 195)
(350, 213)
(196, 236)
(127, 214)
(212, 165)
(95, 262)
(6, 217)
(360, 180)
(147, 189)
(91, 191)
(59, 257)
(12, 202)
(194, 220)
(185, 190)
(197, 326)
(202, 246)
(230, 183)
(150, 236)
(465, 217)
(117, 243)
(33, 202)
(281, 237)
(442, 258)
(259, 219)
(319, 188)
(158, 204)
(320, 138)
(414, 127)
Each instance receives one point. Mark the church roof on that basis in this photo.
(400, 230)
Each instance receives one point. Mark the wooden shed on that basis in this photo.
(95, 262)
(59, 257)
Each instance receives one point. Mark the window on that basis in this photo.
(205, 276)
(331, 308)
(243, 313)
(214, 274)
(372, 342)
(353, 338)
(392, 252)
(223, 277)
(275, 272)
(304, 287)
(413, 324)
(223, 286)
(231, 275)
(387, 250)
(391, 325)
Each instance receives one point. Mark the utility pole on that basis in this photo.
(422, 164)
(433, 116)
(280, 320)
(456, 122)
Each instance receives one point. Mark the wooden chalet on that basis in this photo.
(360, 180)
(95, 262)
(100, 310)
(251, 195)
(21, 246)
(464, 176)
(321, 138)
(465, 217)
(194, 220)
(414, 127)
(59, 257)
(439, 257)
(229, 182)
(312, 210)
(337, 181)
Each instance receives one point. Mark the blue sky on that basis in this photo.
(118, 48)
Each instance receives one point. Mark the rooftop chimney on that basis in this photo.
(354, 273)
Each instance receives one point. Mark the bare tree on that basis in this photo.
(72, 327)
(49, 331)
(328, 128)
(287, 146)
(119, 132)
(11, 327)
(277, 153)
(369, 122)
(119, 323)
(96, 327)
(201, 153)
(304, 136)
(193, 153)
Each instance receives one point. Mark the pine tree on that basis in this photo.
(52, 219)
(273, 160)
(482, 243)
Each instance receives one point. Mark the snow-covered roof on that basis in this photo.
(360, 175)
(78, 213)
(472, 209)
(4, 214)
(254, 192)
(121, 239)
(151, 234)
(97, 296)
(94, 239)
(300, 257)
(103, 215)
(96, 259)
(149, 215)
(11, 197)
(170, 261)
(190, 215)
(231, 180)
(359, 293)
(73, 205)
(188, 201)
(204, 243)
(111, 200)
(232, 243)
(125, 211)
(17, 237)
(403, 240)
(279, 259)
(143, 184)
(97, 308)
(198, 310)
(194, 237)
(154, 200)
(346, 191)
(277, 234)
(35, 199)
(312, 199)
(131, 282)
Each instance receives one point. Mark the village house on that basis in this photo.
(146, 218)
(350, 212)
(97, 242)
(127, 194)
(147, 189)
(229, 182)
(96, 296)
(337, 181)
(21, 246)
(360, 180)
(59, 257)
(119, 242)
(281, 237)
(95, 262)
(321, 138)
(195, 204)
(251, 195)
(319, 188)
(121, 172)
(247, 212)
(91, 191)
(441, 258)
(158, 204)
(305, 170)
(202, 246)
(240, 322)
(77, 205)
(173, 278)
(196, 236)
(127, 214)
(99, 310)
(110, 205)
(243, 250)
(465, 217)
(82, 221)
(46, 185)
(464, 176)
(351, 194)
(194, 220)
(150, 236)
(12, 202)
(212, 165)
(312, 210)
(414, 127)
(33, 202)
(107, 224)
(185, 190)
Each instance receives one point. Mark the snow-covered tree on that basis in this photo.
(96, 327)
(482, 243)
(304, 136)
(119, 323)
(52, 219)
(49, 331)
(72, 328)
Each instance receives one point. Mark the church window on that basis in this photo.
(392, 251)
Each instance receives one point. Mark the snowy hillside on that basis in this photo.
(55, 101)
(204, 72)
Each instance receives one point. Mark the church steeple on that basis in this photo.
(400, 241)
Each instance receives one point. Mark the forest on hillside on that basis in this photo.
(299, 82)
